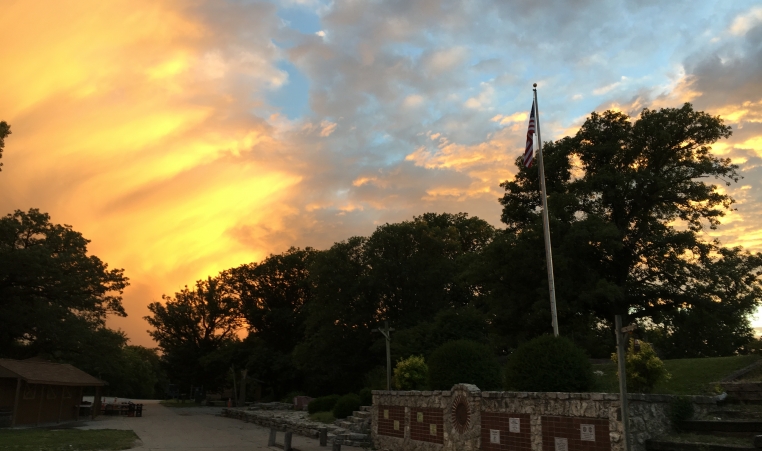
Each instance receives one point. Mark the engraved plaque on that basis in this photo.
(396, 425)
(433, 429)
(562, 444)
(587, 432)
(514, 425)
(419, 417)
(386, 414)
(494, 436)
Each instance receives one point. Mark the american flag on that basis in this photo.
(529, 150)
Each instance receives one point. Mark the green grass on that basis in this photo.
(178, 403)
(65, 439)
(689, 376)
(323, 417)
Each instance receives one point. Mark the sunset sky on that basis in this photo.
(187, 137)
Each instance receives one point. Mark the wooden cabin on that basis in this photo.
(36, 392)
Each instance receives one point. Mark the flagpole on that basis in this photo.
(545, 223)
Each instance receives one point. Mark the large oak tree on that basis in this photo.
(629, 201)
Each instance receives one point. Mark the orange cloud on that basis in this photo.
(127, 126)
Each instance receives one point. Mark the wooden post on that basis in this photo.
(336, 445)
(271, 439)
(16, 402)
(95, 410)
(42, 398)
(60, 406)
(386, 332)
(323, 436)
(621, 350)
(79, 403)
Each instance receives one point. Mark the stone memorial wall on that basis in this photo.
(467, 419)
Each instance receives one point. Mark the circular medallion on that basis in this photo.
(460, 414)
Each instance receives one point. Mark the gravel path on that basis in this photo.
(198, 429)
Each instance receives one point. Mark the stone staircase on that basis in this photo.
(358, 427)
(729, 428)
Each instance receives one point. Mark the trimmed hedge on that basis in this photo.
(463, 361)
(548, 364)
(346, 405)
(366, 397)
(322, 404)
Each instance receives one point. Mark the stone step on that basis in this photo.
(721, 425)
(361, 414)
(343, 423)
(666, 445)
(366, 408)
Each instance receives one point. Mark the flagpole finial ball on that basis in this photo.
(535, 85)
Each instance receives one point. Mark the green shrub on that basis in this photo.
(547, 364)
(366, 397)
(644, 368)
(463, 361)
(322, 404)
(680, 409)
(410, 373)
(346, 405)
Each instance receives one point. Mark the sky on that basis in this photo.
(187, 137)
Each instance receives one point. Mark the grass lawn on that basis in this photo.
(178, 403)
(323, 417)
(689, 376)
(65, 439)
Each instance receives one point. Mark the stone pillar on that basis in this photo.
(287, 441)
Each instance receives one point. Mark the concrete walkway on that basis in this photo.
(198, 429)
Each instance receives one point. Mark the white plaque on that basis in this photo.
(396, 425)
(433, 429)
(587, 432)
(419, 417)
(561, 444)
(386, 414)
(494, 436)
(514, 425)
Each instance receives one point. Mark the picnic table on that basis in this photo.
(122, 409)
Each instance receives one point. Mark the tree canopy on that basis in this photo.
(628, 200)
(52, 294)
(5, 130)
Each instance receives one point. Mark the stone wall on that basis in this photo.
(465, 418)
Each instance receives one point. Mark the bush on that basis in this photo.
(644, 368)
(548, 364)
(346, 405)
(322, 404)
(463, 361)
(366, 397)
(680, 409)
(410, 373)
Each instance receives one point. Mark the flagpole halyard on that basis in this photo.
(545, 220)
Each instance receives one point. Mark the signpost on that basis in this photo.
(621, 356)
(386, 332)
